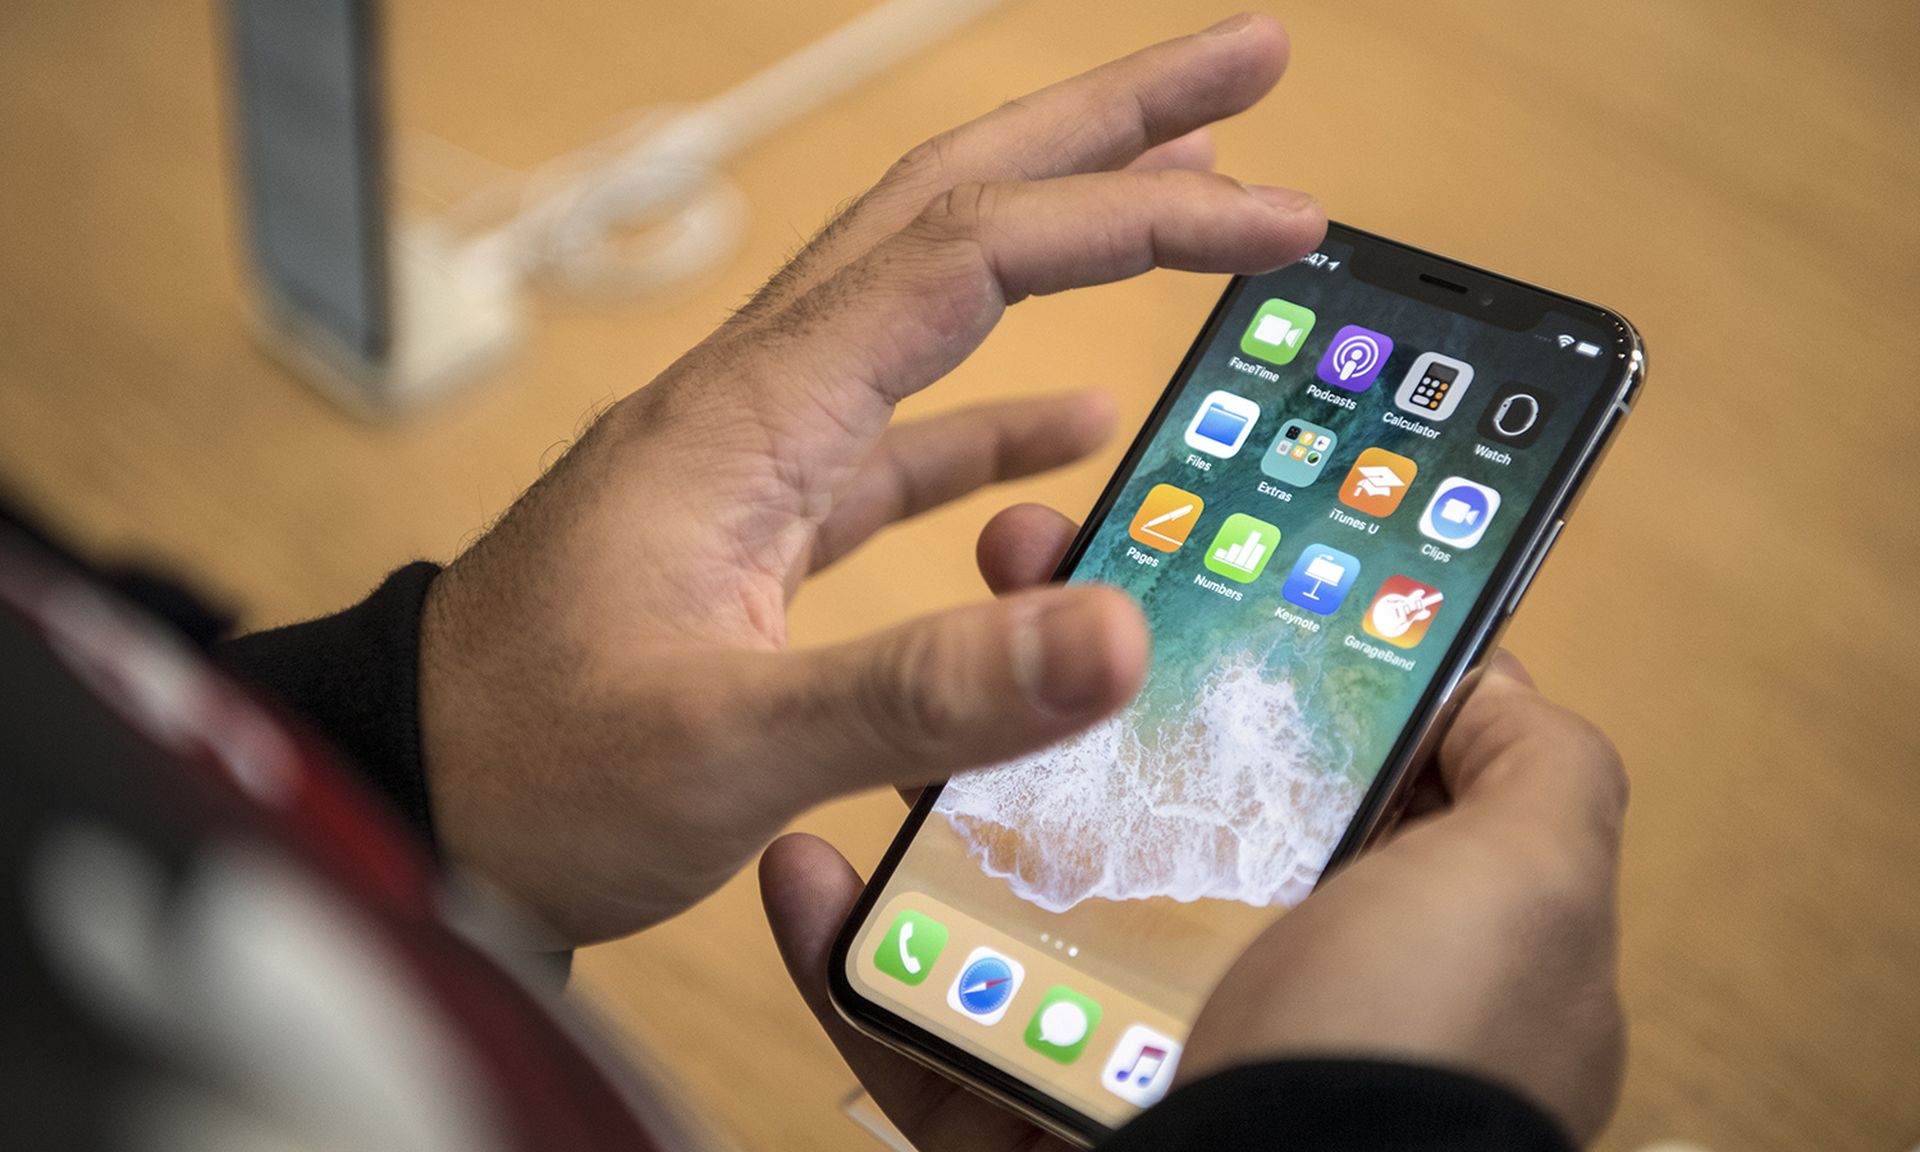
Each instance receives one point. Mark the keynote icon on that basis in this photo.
(1354, 360)
(1321, 579)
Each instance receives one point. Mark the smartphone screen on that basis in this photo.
(1335, 503)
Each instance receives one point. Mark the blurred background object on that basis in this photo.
(384, 316)
(1737, 177)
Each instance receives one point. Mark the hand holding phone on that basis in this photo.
(1481, 936)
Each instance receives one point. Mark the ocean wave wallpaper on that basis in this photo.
(1262, 724)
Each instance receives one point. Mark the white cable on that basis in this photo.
(650, 207)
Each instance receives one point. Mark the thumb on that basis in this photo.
(959, 689)
(1517, 760)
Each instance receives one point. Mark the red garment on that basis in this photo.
(232, 936)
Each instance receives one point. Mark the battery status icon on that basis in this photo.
(1587, 348)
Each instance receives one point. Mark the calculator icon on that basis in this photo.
(1433, 386)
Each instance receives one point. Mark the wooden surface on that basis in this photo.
(1733, 602)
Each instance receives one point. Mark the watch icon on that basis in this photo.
(1517, 414)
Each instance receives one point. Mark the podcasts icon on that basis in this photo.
(1354, 360)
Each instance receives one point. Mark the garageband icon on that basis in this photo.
(1402, 611)
(1142, 1065)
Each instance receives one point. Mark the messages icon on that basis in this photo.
(1062, 1024)
(1277, 332)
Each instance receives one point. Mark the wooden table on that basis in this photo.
(1733, 603)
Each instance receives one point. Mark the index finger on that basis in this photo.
(831, 366)
(1097, 121)
(1102, 119)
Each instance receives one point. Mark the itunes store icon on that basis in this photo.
(1354, 360)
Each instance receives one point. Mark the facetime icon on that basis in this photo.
(1278, 331)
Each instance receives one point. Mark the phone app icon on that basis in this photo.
(985, 986)
(1166, 517)
(1242, 547)
(1222, 424)
(910, 947)
(1142, 1065)
(1517, 414)
(1433, 386)
(1377, 482)
(1298, 453)
(1459, 512)
(1354, 360)
(1402, 611)
(1277, 332)
(1321, 579)
(1062, 1024)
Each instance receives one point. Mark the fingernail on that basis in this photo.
(1230, 24)
(1509, 665)
(1287, 199)
(1061, 662)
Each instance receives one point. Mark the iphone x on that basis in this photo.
(1328, 517)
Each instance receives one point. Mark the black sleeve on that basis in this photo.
(1341, 1106)
(354, 677)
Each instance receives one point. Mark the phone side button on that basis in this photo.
(1533, 566)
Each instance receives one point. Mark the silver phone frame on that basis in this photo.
(1385, 799)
